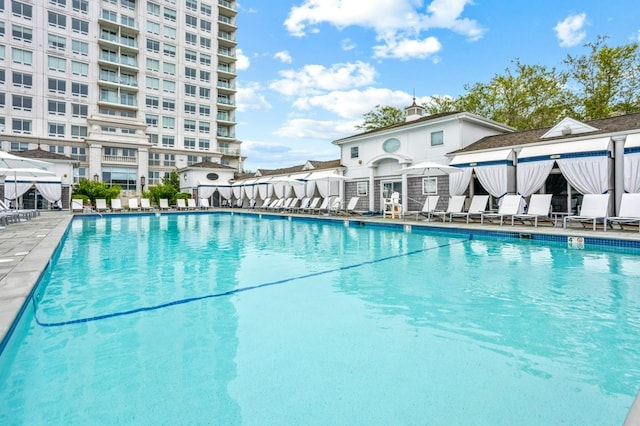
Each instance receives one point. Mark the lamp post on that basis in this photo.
(96, 177)
(143, 180)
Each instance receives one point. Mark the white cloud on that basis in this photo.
(348, 44)
(273, 155)
(284, 57)
(249, 97)
(318, 78)
(570, 31)
(396, 23)
(242, 62)
(353, 104)
(316, 129)
(407, 49)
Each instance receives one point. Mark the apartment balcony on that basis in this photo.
(225, 103)
(234, 152)
(226, 87)
(110, 19)
(116, 42)
(110, 58)
(115, 81)
(227, 39)
(119, 159)
(227, 23)
(226, 52)
(226, 70)
(229, 6)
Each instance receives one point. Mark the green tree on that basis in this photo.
(92, 190)
(607, 79)
(440, 104)
(156, 192)
(531, 96)
(173, 179)
(381, 116)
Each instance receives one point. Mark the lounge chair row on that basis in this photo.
(144, 204)
(594, 210)
(315, 205)
(9, 215)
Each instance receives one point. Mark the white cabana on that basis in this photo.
(50, 187)
(327, 182)
(492, 168)
(585, 164)
(264, 187)
(632, 164)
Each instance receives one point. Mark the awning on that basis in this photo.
(34, 179)
(553, 151)
(245, 182)
(484, 158)
(632, 144)
(215, 183)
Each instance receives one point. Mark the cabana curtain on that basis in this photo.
(206, 192)
(589, 175)
(632, 172)
(459, 182)
(51, 191)
(225, 192)
(532, 175)
(493, 179)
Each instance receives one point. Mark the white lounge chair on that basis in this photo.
(181, 204)
(476, 208)
(324, 206)
(76, 205)
(594, 207)
(303, 204)
(539, 209)
(101, 205)
(145, 204)
(456, 204)
(133, 205)
(276, 204)
(191, 204)
(204, 203)
(164, 204)
(629, 212)
(313, 205)
(265, 204)
(429, 206)
(116, 205)
(351, 206)
(509, 206)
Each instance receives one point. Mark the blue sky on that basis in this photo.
(309, 69)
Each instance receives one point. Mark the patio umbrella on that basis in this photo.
(430, 166)
(10, 161)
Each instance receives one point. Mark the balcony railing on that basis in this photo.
(226, 85)
(119, 40)
(119, 159)
(227, 36)
(227, 4)
(229, 151)
(226, 52)
(226, 101)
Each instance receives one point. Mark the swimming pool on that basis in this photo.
(228, 319)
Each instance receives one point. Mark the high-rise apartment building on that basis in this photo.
(128, 88)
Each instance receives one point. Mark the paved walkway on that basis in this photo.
(25, 250)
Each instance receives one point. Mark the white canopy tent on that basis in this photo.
(494, 170)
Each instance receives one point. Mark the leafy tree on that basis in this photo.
(607, 79)
(381, 117)
(173, 179)
(92, 190)
(530, 97)
(440, 104)
(156, 192)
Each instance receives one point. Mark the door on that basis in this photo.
(388, 188)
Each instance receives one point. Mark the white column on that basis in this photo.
(372, 194)
(618, 167)
(405, 194)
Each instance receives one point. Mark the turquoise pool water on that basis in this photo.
(231, 319)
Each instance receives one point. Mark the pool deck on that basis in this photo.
(26, 248)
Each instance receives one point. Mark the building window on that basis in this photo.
(189, 143)
(437, 138)
(170, 33)
(79, 68)
(362, 189)
(168, 141)
(191, 38)
(79, 89)
(19, 125)
(430, 186)
(153, 9)
(192, 5)
(204, 144)
(205, 93)
(205, 110)
(22, 103)
(153, 28)
(57, 64)
(354, 152)
(79, 47)
(189, 125)
(189, 108)
(204, 127)
(168, 104)
(153, 139)
(80, 6)
(152, 102)
(205, 9)
(189, 90)
(190, 73)
(169, 50)
(205, 76)
(78, 153)
(123, 177)
(21, 79)
(57, 42)
(169, 160)
(153, 46)
(57, 86)
(205, 25)
(154, 159)
(79, 132)
(168, 86)
(19, 146)
(205, 59)
(151, 120)
(190, 56)
(79, 110)
(21, 33)
(57, 20)
(169, 68)
(80, 26)
(153, 83)
(20, 56)
(168, 122)
(153, 65)
(56, 107)
(21, 10)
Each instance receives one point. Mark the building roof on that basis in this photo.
(210, 165)
(315, 165)
(604, 126)
(41, 154)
